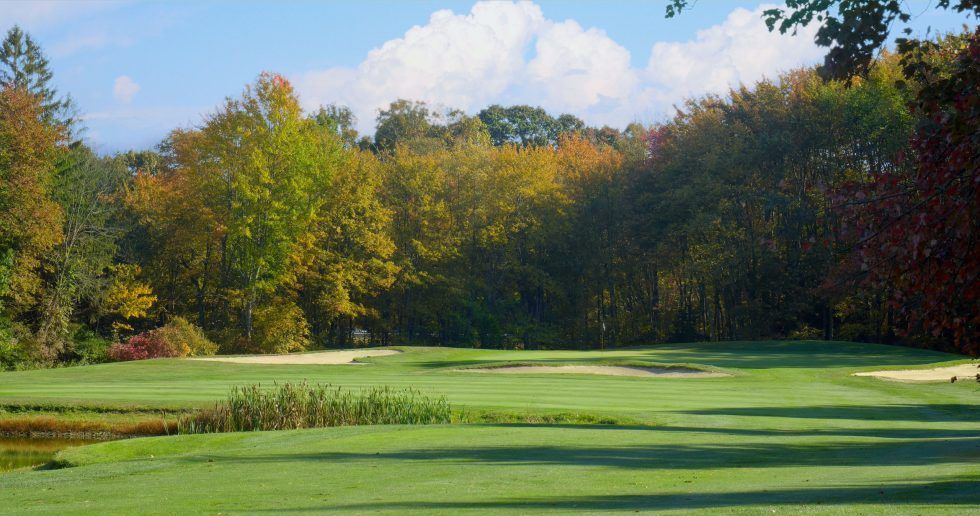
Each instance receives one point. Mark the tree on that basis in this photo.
(274, 166)
(915, 229)
(854, 32)
(350, 263)
(526, 125)
(404, 122)
(125, 297)
(84, 188)
(339, 120)
(30, 219)
(23, 65)
(180, 211)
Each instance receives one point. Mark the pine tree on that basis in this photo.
(24, 65)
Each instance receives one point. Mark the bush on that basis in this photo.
(280, 328)
(806, 332)
(10, 352)
(855, 332)
(185, 336)
(178, 338)
(288, 406)
(143, 346)
(14, 345)
(89, 348)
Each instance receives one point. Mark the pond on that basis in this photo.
(16, 452)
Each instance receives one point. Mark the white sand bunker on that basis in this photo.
(346, 356)
(961, 372)
(661, 372)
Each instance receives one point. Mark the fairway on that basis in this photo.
(791, 428)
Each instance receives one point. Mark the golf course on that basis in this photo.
(779, 426)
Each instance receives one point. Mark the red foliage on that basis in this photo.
(915, 230)
(656, 139)
(141, 347)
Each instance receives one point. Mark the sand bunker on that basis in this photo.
(661, 372)
(321, 358)
(961, 372)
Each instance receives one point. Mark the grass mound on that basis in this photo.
(290, 406)
(612, 368)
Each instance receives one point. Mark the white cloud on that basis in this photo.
(580, 71)
(455, 60)
(508, 52)
(741, 50)
(88, 41)
(33, 14)
(124, 88)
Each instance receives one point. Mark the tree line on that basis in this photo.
(783, 209)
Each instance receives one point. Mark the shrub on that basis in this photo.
(14, 345)
(178, 338)
(90, 348)
(806, 332)
(185, 336)
(280, 328)
(288, 406)
(143, 346)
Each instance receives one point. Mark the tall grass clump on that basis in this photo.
(290, 406)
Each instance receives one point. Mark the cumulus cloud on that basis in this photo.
(509, 52)
(455, 60)
(124, 88)
(741, 50)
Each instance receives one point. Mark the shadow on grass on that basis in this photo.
(745, 355)
(927, 413)
(958, 492)
(897, 452)
(789, 354)
(878, 433)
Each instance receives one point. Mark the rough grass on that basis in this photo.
(60, 421)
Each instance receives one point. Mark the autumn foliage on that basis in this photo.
(178, 338)
(793, 208)
(144, 346)
(915, 229)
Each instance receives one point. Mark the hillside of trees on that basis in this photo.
(801, 207)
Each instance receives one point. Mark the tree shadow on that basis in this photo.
(742, 354)
(878, 433)
(958, 492)
(895, 452)
(948, 412)
(800, 354)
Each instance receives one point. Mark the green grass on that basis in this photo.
(790, 430)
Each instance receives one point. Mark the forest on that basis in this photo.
(801, 207)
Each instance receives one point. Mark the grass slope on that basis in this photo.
(791, 429)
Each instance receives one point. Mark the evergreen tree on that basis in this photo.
(24, 65)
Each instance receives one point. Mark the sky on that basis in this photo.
(137, 70)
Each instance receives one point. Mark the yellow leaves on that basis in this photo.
(126, 296)
(30, 220)
(280, 327)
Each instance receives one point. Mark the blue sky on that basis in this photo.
(139, 69)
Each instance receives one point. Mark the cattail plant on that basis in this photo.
(289, 406)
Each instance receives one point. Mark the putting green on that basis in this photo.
(791, 429)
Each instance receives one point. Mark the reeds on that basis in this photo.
(290, 406)
(49, 426)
